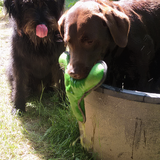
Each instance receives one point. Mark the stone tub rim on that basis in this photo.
(132, 95)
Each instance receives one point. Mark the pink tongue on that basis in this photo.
(41, 30)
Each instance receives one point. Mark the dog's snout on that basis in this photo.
(78, 72)
(74, 75)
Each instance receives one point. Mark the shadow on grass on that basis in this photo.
(52, 129)
(48, 126)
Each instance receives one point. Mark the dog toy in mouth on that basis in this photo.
(77, 90)
(41, 30)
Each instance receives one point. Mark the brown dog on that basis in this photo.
(125, 34)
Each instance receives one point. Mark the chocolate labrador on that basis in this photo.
(125, 34)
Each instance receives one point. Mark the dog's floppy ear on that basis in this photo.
(118, 24)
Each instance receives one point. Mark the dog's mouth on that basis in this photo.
(41, 30)
(79, 76)
(78, 72)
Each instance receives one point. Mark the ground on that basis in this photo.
(13, 143)
(48, 131)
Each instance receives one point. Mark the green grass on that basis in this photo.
(1, 5)
(69, 3)
(1, 2)
(47, 131)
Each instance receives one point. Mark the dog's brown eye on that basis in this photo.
(86, 40)
(83, 39)
(90, 41)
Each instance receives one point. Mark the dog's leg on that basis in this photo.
(19, 90)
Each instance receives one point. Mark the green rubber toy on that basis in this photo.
(77, 90)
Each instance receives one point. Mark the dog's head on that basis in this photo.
(91, 29)
(35, 18)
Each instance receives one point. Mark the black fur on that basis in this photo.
(34, 60)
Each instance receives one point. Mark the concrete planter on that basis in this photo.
(122, 124)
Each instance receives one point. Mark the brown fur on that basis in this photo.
(125, 34)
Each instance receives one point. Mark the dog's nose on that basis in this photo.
(74, 75)
(78, 71)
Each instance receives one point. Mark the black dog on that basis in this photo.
(36, 46)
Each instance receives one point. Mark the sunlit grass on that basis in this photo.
(69, 3)
(47, 131)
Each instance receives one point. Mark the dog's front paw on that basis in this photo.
(18, 112)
